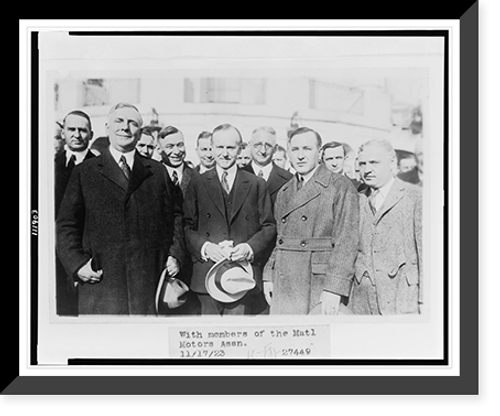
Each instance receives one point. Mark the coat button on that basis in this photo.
(303, 244)
(304, 218)
(208, 215)
(283, 220)
(247, 217)
(207, 234)
(280, 241)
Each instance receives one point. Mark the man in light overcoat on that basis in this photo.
(388, 270)
(317, 215)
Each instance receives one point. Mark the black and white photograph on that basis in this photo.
(206, 197)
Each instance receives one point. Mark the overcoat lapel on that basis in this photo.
(273, 182)
(215, 190)
(140, 172)
(312, 189)
(395, 194)
(241, 188)
(110, 169)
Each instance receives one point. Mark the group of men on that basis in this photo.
(316, 240)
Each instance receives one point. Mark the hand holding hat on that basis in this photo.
(228, 281)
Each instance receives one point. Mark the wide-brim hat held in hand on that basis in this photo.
(171, 292)
(228, 281)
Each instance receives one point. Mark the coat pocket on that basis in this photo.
(400, 262)
(319, 268)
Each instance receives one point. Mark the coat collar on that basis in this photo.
(396, 193)
(110, 169)
(312, 189)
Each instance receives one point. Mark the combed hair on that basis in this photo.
(332, 145)
(203, 135)
(280, 148)
(227, 126)
(126, 105)
(81, 114)
(167, 131)
(267, 129)
(302, 130)
(383, 143)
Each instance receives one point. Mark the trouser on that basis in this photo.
(250, 304)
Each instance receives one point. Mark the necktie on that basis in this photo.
(300, 181)
(175, 178)
(125, 167)
(71, 162)
(261, 174)
(225, 183)
(372, 200)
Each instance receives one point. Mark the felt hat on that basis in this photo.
(228, 281)
(171, 292)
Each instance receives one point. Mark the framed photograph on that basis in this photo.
(247, 201)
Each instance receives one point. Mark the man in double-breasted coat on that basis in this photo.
(317, 214)
(227, 204)
(388, 269)
(119, 224)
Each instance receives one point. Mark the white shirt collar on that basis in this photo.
(309, 175)
(79, 156)
(385, 189)
(178, 169)
(231, 174)
(203, 168)
(266, 170)
(129, 156)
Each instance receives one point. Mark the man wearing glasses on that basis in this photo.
(263, 144)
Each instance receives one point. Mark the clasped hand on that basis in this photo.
(218, 252)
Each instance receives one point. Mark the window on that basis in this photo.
(225, 90)
(335, 97)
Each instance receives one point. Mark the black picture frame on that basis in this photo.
(466, 383)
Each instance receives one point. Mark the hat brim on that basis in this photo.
(168, 294)
(214, 290)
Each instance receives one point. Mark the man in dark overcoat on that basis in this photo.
(317, 215)
(77, 133)
(119, 224)
(227, 205)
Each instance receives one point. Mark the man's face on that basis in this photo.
(334, 159)
(124, 129)
(263, 145)
(244, 157)
(172, 149)
(376, 166)
(76, 132)
(225, 147)
(280, 159)
(146, 145)
(205, 153)
(303, 151)
(407, 164)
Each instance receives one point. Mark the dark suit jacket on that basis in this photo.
(205, 220)
(61, 176)
(277, 178)
(128, 228)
